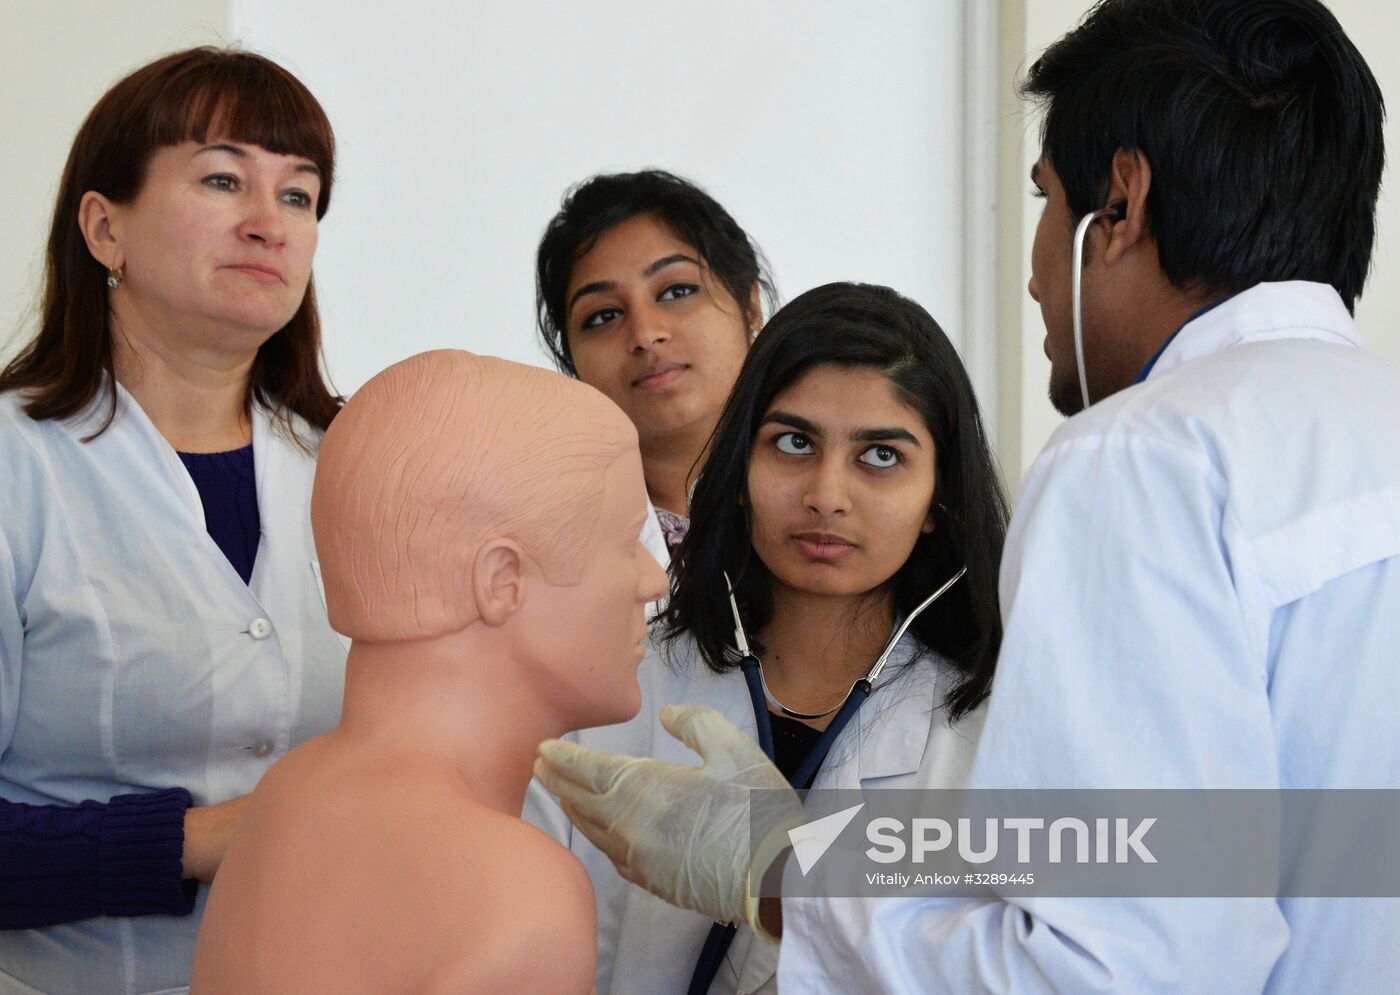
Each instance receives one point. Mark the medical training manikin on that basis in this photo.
(477, 526)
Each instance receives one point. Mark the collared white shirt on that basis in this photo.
(654, 539)
(134, 658)
(900, 738)
(1201, 588)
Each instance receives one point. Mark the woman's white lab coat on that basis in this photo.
(134, 658)
(900, 738)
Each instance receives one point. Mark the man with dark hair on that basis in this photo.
(1229, 145)
(1201, 587)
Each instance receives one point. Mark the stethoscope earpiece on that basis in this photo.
(1114, 212)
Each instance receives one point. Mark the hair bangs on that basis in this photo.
(244, 99)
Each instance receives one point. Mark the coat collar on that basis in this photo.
(1265, 312)
(894, 732)
(889, 734)
(886, 738)
(283, 453)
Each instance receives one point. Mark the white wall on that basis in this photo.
(1027, 418)
(829, 130)
(56, 58)
(833, 137)
(1374, 25)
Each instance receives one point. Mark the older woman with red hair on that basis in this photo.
(163, 636)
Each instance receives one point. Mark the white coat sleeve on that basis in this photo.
(21, 540)
(1126, 663)
(11, 643)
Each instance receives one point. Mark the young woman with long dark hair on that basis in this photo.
(848, 480)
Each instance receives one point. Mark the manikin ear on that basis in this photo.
(1129, 181)
(95, 219)
(498, 581)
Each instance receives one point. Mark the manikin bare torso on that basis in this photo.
(477, 527)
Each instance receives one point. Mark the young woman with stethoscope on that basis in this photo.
(849, 480)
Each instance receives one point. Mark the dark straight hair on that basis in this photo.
(855, 326)
(601, 203)
(1260, 119)
(181, 97)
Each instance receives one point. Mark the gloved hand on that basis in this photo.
(682, 833)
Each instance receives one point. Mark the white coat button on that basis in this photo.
(260, 628)
(263, 748)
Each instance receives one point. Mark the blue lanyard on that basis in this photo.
(807, 770)
(718, 941)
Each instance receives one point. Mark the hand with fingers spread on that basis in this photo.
(682, 833)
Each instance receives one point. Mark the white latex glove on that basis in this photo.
(682, 833)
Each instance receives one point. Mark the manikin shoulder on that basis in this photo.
(541, 933)
(388, 879)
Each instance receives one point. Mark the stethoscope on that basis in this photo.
(1117, 212)
(721, 936)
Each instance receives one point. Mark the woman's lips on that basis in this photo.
(823, 546)
(263, 274)
(660, 376)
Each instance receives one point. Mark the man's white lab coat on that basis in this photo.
(1201, 588)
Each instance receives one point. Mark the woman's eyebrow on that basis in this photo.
(806, 427)
(792, 421)
(885, 435)
(604, 286)
(224, 147)
(596, 287)
(242, 153)
(664, 261)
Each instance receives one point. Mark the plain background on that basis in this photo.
(828, 131)
(838, 136)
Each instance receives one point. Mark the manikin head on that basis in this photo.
(457, 490)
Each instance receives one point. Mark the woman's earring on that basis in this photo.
(114, 278)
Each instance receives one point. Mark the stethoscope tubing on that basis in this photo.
(721, 936)
(764, 723)
(1076, 291)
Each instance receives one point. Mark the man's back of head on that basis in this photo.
(1260, 119)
